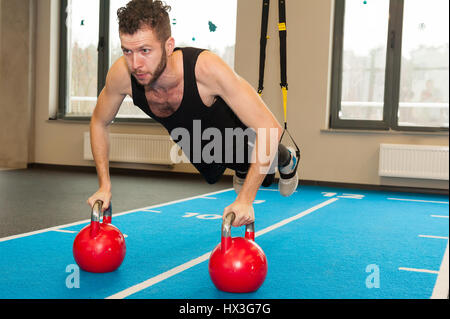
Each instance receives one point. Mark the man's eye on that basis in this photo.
(146, 50)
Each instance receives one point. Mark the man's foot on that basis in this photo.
(288, 176)
(238, 180)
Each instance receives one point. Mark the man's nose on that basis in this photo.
(136, 62)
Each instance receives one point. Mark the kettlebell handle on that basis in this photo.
(95, 216)
(226, 230)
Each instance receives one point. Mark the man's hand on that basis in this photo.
(104, 196)
(244, 213)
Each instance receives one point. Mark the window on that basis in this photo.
(80, 66)
(90, 44)
(391, 65)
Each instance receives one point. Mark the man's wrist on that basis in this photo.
(105, 187)
(245, 198)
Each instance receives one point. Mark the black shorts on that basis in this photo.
(214, 171)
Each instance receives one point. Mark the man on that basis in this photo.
(181, 88)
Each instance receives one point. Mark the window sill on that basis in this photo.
(79, 120)
(382, 132)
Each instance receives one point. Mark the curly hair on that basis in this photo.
(140, 13)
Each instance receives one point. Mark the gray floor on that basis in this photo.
(43, 197)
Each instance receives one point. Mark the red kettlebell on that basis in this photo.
(237, 264)
(99, 247)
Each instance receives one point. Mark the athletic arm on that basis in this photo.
(222, 81)
(117, 86)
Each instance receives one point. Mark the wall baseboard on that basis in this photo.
(139, 172)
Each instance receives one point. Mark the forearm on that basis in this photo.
(265, 150)
(100, 151)
(251, 185)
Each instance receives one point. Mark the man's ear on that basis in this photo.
(170, 46)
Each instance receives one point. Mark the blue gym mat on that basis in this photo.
(321, 243)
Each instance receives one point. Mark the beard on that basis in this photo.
(158, 71)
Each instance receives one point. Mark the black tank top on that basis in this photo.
(192, 110)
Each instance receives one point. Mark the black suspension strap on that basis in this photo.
(282, 28)
(283, 35)
(263, 44)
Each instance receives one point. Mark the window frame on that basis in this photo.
(102, 65)
(392, 75)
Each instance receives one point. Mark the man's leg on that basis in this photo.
(287, 166)
(212, 172)
(284, 159)
(284, 155)
(239, 179)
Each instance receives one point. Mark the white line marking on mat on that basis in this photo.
(419, 270)
(65, 231)
(429, 236)
(151, 211)
(298, 216)
(154, 280)
(205, 197)
(440, 290)
(326, 194)
(418, 200)
(114, 215)
(439, 216)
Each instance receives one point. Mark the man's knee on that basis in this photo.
(214, 174)
(212, 180)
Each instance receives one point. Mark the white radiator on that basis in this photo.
(414, 161)
(135, 148)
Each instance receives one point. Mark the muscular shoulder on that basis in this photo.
(118, 78)
(211, 71)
